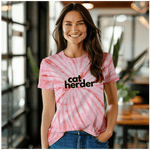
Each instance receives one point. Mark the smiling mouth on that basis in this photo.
(74, 36)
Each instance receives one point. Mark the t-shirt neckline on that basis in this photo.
(71, 58)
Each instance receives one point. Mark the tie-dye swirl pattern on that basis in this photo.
(78, 108)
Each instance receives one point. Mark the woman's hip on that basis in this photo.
(78, 140)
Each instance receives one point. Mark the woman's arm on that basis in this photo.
(112, 110)
(112, 105)
(47, 115)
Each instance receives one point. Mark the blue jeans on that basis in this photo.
(78, 140)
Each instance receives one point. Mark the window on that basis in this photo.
(13, 64)
(54, 12)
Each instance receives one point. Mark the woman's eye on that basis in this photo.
(68, 24)
(80, 23)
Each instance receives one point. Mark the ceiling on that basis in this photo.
(105, 4)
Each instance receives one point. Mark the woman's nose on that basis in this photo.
(74, 28)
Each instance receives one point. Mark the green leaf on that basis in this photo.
(116, 53)
(125, 99)
(32, 63)
(132, 94)
(127, 88)
(116, 50)
(119, 86)
(123, 93)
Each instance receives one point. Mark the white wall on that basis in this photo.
(141, 37)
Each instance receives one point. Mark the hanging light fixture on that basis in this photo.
(144, 19)
(142, 8)
(6, 8)
(87, 5)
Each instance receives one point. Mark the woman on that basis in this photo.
(75, 78)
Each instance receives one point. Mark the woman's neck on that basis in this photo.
(74, 53)
(74, 50)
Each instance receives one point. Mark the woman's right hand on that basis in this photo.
(103, 137)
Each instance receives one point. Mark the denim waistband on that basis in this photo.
(78, 132)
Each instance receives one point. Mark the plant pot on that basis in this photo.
(125, 108)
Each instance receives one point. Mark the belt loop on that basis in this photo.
(78, 132)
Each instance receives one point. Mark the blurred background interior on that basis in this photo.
(28, 25)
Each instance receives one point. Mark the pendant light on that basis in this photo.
(6, 8)
(143, 9)
(87, 5)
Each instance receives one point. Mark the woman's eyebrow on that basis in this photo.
(77, 21)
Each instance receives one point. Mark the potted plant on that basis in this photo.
(124, 95)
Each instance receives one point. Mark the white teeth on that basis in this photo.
(75, 35)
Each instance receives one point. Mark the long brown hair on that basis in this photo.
(92, 42)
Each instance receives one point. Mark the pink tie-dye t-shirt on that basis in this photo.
(80, 102)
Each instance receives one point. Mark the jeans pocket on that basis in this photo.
(93, 137)
(59, 140)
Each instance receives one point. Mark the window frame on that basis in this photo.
(9, 56)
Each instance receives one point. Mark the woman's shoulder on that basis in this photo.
(52, 58)
(106, 55)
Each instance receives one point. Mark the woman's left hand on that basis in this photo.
(103, 137)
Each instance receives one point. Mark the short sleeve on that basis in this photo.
(45, 81)
(109, 72)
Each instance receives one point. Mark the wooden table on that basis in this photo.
(134, 121)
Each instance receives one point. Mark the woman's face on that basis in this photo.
(74, 28)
